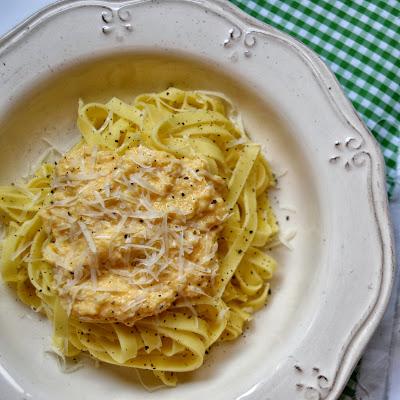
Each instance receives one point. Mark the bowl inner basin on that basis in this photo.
(49, 110)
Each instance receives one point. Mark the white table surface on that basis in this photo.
(15, 11)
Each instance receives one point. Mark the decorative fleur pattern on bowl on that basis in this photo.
(118, 20)
(349, 153)
(316, 391)
(242, 41)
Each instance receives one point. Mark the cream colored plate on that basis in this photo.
(332, 285)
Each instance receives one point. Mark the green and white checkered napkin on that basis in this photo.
(359, 40)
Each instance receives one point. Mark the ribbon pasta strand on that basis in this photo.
(184, 124)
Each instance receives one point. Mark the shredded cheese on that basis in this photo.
(88, 236)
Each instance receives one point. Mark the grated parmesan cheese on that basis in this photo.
(132, 233)
(88, 236)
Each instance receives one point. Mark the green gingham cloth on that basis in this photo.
(359, 40)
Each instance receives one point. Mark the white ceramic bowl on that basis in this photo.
(331, 287)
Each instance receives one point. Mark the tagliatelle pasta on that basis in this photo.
(145, 244)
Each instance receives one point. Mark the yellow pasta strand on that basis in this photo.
(185, 124)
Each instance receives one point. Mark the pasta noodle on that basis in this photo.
(190, 124)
